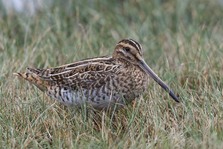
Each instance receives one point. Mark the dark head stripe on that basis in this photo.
(132, 43)
(136, 43)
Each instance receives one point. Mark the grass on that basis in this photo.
(182, 42)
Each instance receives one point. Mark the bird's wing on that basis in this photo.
(84, 74)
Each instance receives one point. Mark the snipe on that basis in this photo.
(100, 82)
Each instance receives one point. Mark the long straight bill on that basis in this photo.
(149, 71)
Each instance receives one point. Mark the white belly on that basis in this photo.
(94, 98)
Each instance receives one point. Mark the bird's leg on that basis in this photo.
(134, 103)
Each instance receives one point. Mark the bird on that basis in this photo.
(100, 82)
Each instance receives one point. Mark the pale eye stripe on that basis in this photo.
(136, 44)
(127, 45)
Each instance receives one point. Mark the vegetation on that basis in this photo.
(182, 41)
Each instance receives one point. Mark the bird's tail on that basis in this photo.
(34, 79)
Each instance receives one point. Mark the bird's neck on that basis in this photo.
(128, 65)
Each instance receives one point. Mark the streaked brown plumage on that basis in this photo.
(101, 82)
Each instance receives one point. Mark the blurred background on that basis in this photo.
(182, 42)
(176, 35)
(66, 27)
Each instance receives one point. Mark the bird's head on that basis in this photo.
(130, 51)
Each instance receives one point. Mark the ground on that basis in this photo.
(182, 42)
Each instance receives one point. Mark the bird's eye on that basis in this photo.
(127, 49)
